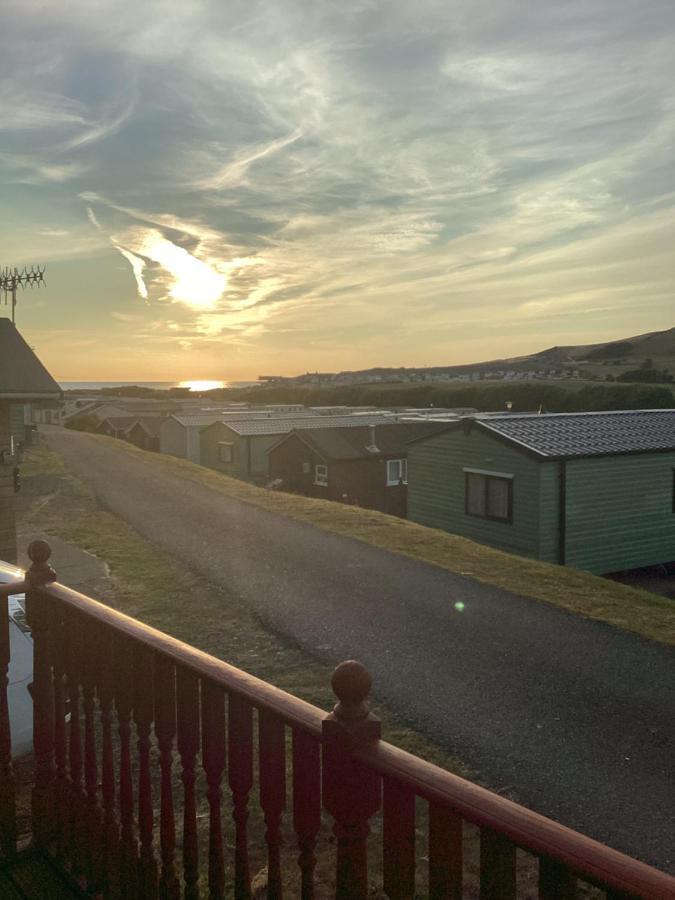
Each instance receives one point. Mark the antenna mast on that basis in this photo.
(11, 279)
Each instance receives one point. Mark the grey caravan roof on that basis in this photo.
(288, 424)
(568, 435)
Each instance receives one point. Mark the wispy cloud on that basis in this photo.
(403, 188)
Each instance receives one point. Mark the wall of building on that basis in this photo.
(620, 512)
(173, 439)
(193, 444)
(436, 488)
(288, 462)
(7, 515)
(360, 482)
(209, 456)
(140, 438)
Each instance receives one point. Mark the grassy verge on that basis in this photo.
(625, 607)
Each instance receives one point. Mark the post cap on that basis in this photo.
(39, 552)
(351, 683)
(40, 572)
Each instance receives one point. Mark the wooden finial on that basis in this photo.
(351, 683)
(40, 571)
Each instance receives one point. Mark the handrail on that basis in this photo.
(258, 692)
(12, 587)
(525, 828)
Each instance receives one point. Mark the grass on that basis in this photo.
(630, 609)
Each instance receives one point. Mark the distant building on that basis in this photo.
(144, 433)
(179, 434)
(116, 426)
(363, 466)
(239, 448)
(590, 490)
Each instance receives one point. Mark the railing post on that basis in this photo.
(38, 617)
(7, 790)
(351, 791)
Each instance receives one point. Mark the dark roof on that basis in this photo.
(22, 375)
(567, 435)
(151, 424)
(391, 439)
(119, 423)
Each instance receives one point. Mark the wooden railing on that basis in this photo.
(135, 732)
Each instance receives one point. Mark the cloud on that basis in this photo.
(137, 267)
(388, 186)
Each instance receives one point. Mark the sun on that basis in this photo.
(202, 385)
(194, 282)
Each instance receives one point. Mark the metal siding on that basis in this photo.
(209, 439)
(172, 438)
(620, 513)
(436, 489)
(549, 486)
(260, 444)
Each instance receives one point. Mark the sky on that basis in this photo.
(222, 190)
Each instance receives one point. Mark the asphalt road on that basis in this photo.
(577, 718)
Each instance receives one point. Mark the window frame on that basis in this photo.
(489, 477)
(225, 445)
(324, 474)
(394, 482)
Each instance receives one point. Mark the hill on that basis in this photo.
(655, 345)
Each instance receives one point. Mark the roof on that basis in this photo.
(119, 423)
(568, 435)
(22, 375)
(391, 439)
(150, 424)
(291, 423)
(195, 420)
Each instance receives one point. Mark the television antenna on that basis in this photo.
(12, 279)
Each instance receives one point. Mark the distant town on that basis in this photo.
(647, 358)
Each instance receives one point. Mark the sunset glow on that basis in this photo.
(326, 188)
(202, 385)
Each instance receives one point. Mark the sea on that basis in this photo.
(195, 385)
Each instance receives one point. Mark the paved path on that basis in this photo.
(574, 716)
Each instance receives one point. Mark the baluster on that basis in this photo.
(240, 778)
(497, 866)
(91, 819)
(110, 835)
(213, 761)
(272, 755)
(143, 713)
(306, 805)
(445, 853)
(123, 668)
(37, 610)
(77, 830)
(351, 791)
(165, 729)
(61, 786)
(7, 789)
(556, 881)
(398, 838)
(187, 708)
